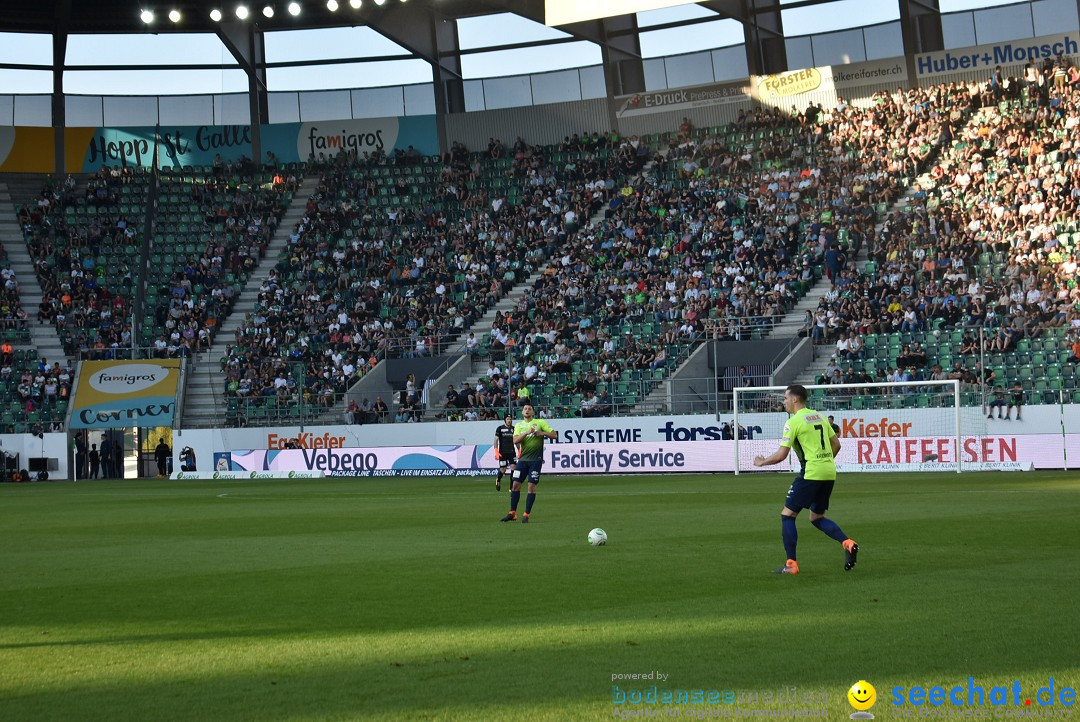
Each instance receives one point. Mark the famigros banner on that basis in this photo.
(119, 394)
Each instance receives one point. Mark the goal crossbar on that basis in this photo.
(952, 385)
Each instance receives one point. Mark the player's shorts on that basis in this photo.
(528, 471)
(812, 495)
(506, 460)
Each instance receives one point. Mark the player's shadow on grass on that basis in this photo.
(142, 639)
(452, 679)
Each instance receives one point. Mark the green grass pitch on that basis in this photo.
(406, 599)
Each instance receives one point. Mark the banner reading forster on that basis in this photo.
(119, 394)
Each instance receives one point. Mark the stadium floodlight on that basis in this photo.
(355, 4)
(294, 9)
(174, 15)
(380, 2)
(332, 5)
(242, 12)
(215, 15)
(268, 11)
(147, 16)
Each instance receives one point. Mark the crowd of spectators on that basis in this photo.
(986, 242)
(86, 265)
(368, 274)
(13, 318)
(38, 389)
(235, 217)
(719, 239)
(398, 255)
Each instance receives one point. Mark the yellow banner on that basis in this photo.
(27, 150)
(120, 394)
(792, 83)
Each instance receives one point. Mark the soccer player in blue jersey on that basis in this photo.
(529, 436)
(816, 445)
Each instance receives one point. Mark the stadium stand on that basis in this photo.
(637, 251)
(727, 232)
(13, 318)
(384, 264)
(213, 226)
(85, 243)
(987, 247)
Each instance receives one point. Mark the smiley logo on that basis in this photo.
(862, 696)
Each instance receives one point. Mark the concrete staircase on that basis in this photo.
(472, 369)
(789, 326)
(204, 403)
(466, 370)
(456, 373)
(823, 353)
(15, 191)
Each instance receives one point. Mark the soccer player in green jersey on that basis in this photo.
(529, 435)
(816, 445)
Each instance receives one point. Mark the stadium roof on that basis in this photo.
(122, 16)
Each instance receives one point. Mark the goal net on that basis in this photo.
(902, 426)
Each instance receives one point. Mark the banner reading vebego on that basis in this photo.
(121, 394)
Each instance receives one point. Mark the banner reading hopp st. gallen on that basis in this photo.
(120, 394)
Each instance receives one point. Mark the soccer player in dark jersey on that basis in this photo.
(529, 435)
(816, 446)
(505, 451)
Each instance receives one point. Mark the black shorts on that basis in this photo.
(506, 460)
(808, 494)
(528, 471)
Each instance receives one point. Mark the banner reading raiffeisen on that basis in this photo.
(121, 394)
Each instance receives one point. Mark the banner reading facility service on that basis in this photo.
(121, 394)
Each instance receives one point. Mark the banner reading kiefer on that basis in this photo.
(120, 394)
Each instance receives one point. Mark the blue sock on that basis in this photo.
(529, 499)
(790, 534)
(514, 496)
(830, 527)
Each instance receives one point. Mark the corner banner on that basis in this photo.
(122, 394)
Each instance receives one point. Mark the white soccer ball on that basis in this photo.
(597, 537)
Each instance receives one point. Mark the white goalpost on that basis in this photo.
(888, 426)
